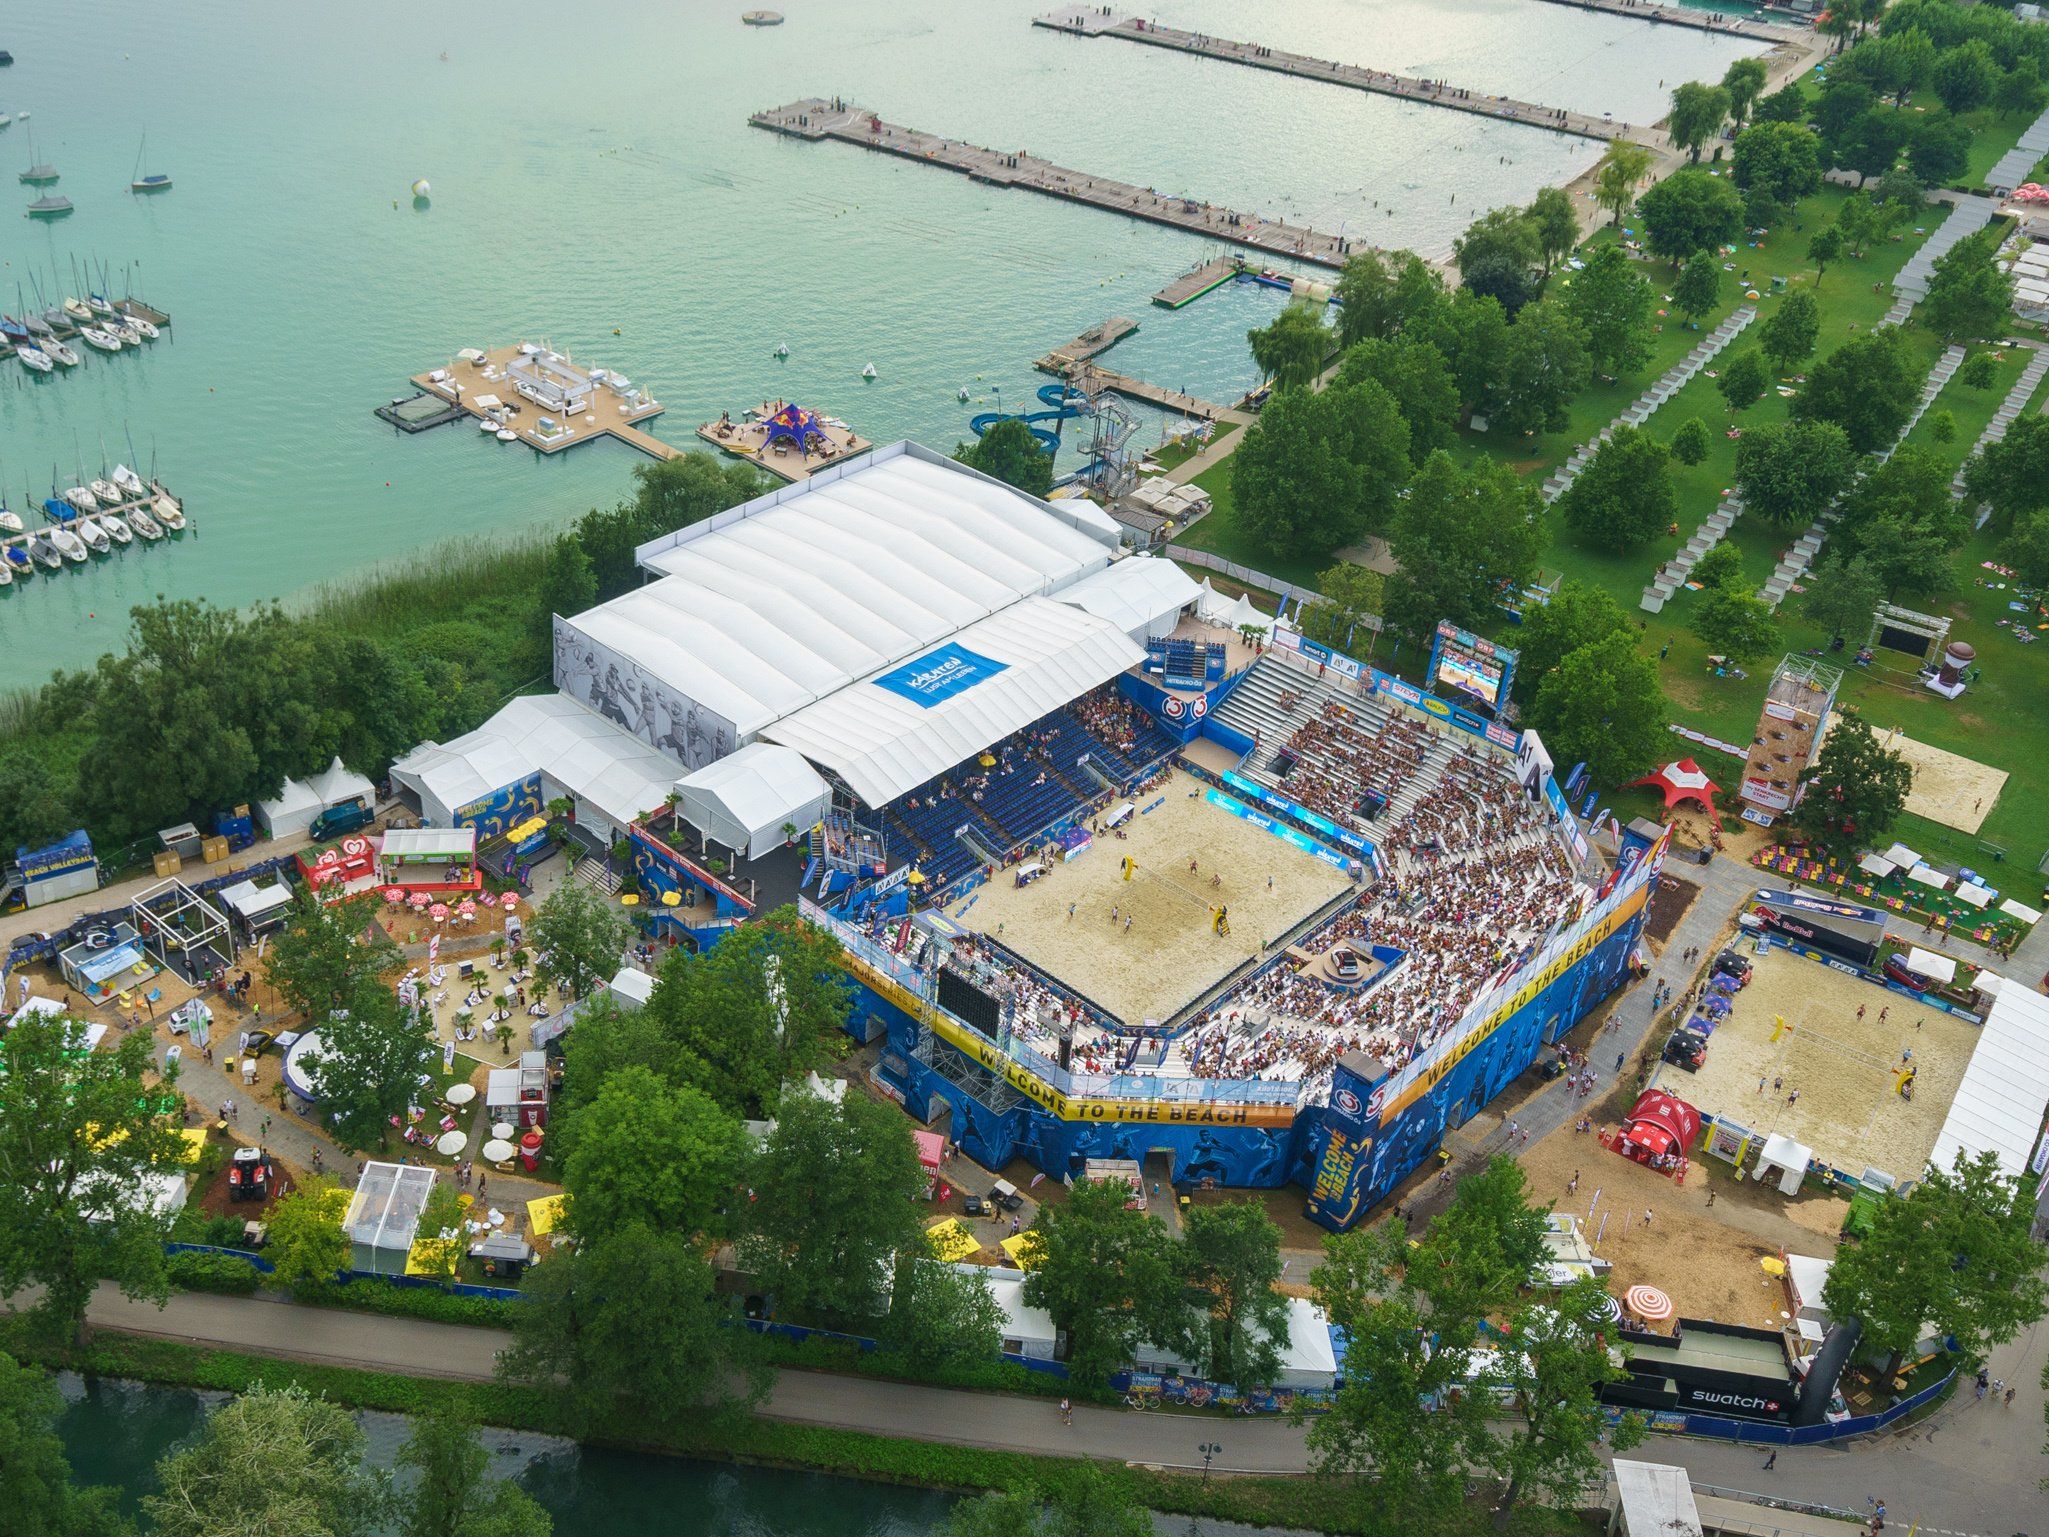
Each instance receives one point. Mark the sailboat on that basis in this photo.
(117, 528)
(10, 520)
(33, 357)
(19, 560)
(154, 181)
(52, 205)
(145, 525)
(94, 536)
(60, 353)
(128, 481)
(38, 173)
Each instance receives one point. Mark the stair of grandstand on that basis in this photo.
(929, 828)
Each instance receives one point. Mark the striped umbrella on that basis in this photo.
(1605, 1311)
(1648, 1303)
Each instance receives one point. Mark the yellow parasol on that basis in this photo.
(672, 898)
(629, 899)
(1023, 1248)
(1771, 1264)
(915, 878)
(544, 1213)
(951, 1240)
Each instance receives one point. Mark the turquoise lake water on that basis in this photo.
(593, 173)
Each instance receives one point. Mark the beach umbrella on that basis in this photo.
(1605, 1310)
(672, 898)
(450, 1143)
(502, 1130)
(1648, 1303)
(438, 911)
(394, 895)
(497, 1150)
(461, 1094)
(421, 901)
(466, 908)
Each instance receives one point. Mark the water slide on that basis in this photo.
(1066, 403)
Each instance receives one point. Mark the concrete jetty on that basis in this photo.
(1098, 338)
(1083, 21)
(817, 118)
(1091, 379)
(1679, 16)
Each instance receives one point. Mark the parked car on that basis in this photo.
(340, 819)
(251, 1175)
(1686, 1048)
(258, 1043)
(1730, 964)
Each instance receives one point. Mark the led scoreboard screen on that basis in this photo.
(1471, 665)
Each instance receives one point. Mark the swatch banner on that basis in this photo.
(1321, 825)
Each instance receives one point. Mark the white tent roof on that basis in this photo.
(1782, 1152)
(430, 843)
(1656, 1500)
(1141, 593)
(1938, 968)
(2005, 1089)
(595, 760)
(295, 798)
(775, 604)
(1875, 865)
(890, 733)
(748, 796)
(1973, 893)
(339, 783)
(2020, 910)
(1903, 856)
(253, 901)
(632, 986)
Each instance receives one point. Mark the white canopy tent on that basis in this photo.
(430, 843)
(2020, 910)
(2005, 1090)
(1974, 894)
(1899, 854)
(1928, 875)
(301, 800)
(1141, 595)
(259, 906)
(1937, 968)
(1655, 1500)
(1788, 1159)
(1875, 865)
(744, 801)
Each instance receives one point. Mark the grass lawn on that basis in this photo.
(1178, 451)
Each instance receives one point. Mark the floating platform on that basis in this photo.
(420, 413)
(1082, 21)
(816, 118)
(748, 439)
(1097, 339)
(484, 385)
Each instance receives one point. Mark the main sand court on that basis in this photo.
(1170, 952)
(1843, 1067)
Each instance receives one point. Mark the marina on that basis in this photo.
(817, 118)
(559, 403)
(789, 441)
(40, 337)
(1088, 21)
(81, 525)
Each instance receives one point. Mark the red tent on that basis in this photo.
(1659, 1124)
(1683, 781)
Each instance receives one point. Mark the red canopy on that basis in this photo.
(1684, 780)
(1659, 1123)
(931, 1148)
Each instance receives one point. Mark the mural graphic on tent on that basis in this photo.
(626, 694)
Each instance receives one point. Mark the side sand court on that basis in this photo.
(1169, 951)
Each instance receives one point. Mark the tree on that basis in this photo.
(1485, 1247)
(1904, 520)
(1782, 160)
(1353, 595)
(1735, 624)
(1790, 472)
(1965, 76)
(1690, 444)
(1842, 595)
(36, 1489)
(36, 810)
(1578, 614)
(1743, 380)
(1698, 112)
(1843, 101)
(1461, 537)
(1318, 469)
(1471, 332)
(669, 494)
(1010, 453)
(940, 1317)
(2026, 548)
(1942, 426)
(79, 1132)
(1871, 145)
(453, 1493)
(1084, 1504)
(1690, 211)
(273, 1462)
(1854, 791)
(1230, 1259)
(1622, 172)
(649, 1151)
(1419, 381)
(1788, 104)
(1979, 371)
(1603, 705)
(631, 1328)
(831, 1209)
(1499, 256)
(2012, 475)
(304, 1239)
(1546, 365)
(1624, 495)
(1744, 81)
(1939, 149)
(2020, 92)
(1721, 566)
(1897, 64)
(1699, 287)
(1868, 387)
(1291, 349)
(1612, 302)
(568, 584)
(1106, 1277)
(1556, 225)
(1825, 247)
(329, 956)
(1381, 294)
(1967, 293)
(368, 1068)
(1788, 337)
(578, 938)
(1953, 1256)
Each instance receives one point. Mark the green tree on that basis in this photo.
(941, 1317)
(1230, 1260)
(368, 1068)
(1556, 225)
(1939, 149)
(568, 584)
(1979, 371)
(1380, 294)
(1318, 469)
(1482, 1252)
(1824, 248)
(1744, 81)
(1965, 76)
(831, 1208)
(649, 1151)
(328, 956)
(1942, 426)
(1868, 387)
(1690, 444)
(452, 1492)
(1622, 172)
(1967, 293)
(2026, 548)
(1842, 103)
(1953, 1256)
(273, 1462)
(36, 811)
(1788, 104)
(1106, 1276)
(1690, 211)
(1789, 472)
(2012, 475)
(1417, 378)
(1472, 333)
(1735, 624)
(1871, 145)
(1902, 518)
(1603, 705)
(1854, 790)
(1782, 160)
(304, 1239)
(1612, 301)
(2020, 92)
(1698, 113)
(1578, 614)
(1545, 367)
(1500, 256)
(36, 1489)
(1624, 495)
(1743, 381)
(1897, 64)
(668, 495)
(1084, 1504)
(79, 1132)
(1010, 453)
(1353, 596)
(1462, 535)
(1842, 595)
(1291, 349)
(1788, 336)
(1699, 288)
(578, 938)
(1721, 566)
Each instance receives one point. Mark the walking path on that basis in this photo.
(1094, 21)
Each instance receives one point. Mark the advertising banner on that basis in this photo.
(939, 674)
(627, 694)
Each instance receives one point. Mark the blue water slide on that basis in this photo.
(1065, 403)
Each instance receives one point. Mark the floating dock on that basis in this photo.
(1095, 340)
(1680, 16)
(546, 401)
(1081, 21)
(1212, 275)
(748, 439)
(817, 118)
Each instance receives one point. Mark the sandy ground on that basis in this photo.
(1956, 791)
(1842, 1066)
(1169, 954)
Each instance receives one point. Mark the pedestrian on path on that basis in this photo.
(1772, 1461)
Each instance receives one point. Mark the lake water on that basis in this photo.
(595, 184)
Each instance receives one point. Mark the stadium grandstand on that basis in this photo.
(1122, 869)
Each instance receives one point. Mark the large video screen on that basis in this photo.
(962, 999)
(1470, 664)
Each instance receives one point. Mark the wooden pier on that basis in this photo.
(748, 439)
(817, 118)
(1081, 21)
(481, 387)
(1090, 379)
(1095, 340)
(1209, 276)
(66, 328)
(1679, 16)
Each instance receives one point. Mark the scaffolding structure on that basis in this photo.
(183, 930)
